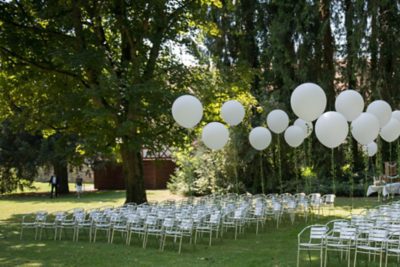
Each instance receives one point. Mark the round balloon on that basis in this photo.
(391, 131)
(331, 129)
(187, 111)
(215, 135)
(350, 103)
(305, 125)
(365, 128)
(277, 121)
(260, 138)
(294, 136)
(232, 112)
(371, 149)
(382, 110)
(396, 114)
(308, 101)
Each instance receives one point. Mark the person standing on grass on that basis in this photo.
(78, 184)
(53, 183)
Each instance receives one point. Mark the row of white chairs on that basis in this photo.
(375, 232)
(212, 215)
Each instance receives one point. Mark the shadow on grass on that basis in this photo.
(86, 197)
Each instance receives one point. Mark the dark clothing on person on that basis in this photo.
(54, 186)
(79, 181)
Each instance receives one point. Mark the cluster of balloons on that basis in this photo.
(187, 111)
(308, 102)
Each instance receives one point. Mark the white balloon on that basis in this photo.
(350, 103)
(305, 125)
(277, 121)
(371, 149)
(215, 135)
(382, 110)
(294, 136)
(365, 128)
(391, 131)
(232, 112)
(260, 138)
(187, 111)
(396, 114)
(308, 101)
(331, 129)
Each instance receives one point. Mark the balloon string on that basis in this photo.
(305, 163)
(280, 165)
(296, 171)
(333, 171)
(262, 175)
(190, 180)
(235, 167)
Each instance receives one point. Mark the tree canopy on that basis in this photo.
(97, 78)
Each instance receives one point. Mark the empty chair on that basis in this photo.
(120, 225)
(69, 222)
(328, 201)
(335, 227)
(291, 209)
(315, 202)
(84, 222)
(101, 223)
(151, 227)
(393, 247)
(342, 243)
(374, 244)
(209, 226)
(33, 221)
(135, 226)
(53, 224)
(313, 241)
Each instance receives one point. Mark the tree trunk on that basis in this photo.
(132, 166)
(61, 172)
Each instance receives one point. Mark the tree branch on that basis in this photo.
(42, 65)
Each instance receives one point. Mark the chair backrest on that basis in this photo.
(59, 216)
(348, 233)
(151, 220)
(318, 231)
(291, 205)
(186, 225)
(276, 206)
(329, 199)
(168, 222)
(215, 218)
(337, 225)
(377, 235)
(41, 216)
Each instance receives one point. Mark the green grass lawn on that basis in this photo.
(271, 247)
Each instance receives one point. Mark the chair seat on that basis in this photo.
(102, 225)
(173, 233)
(311, 245)
(370, 248)
(394, 250)
(119, 227)
(154, 231)
(338, 245)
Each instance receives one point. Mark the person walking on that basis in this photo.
(53, 182)
(78, 184)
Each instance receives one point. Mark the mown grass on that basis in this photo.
(271, 247)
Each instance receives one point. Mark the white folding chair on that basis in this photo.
(373, 245)
(313, 242)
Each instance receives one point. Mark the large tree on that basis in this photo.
(118, 57)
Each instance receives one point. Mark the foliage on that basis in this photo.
(19, 157)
